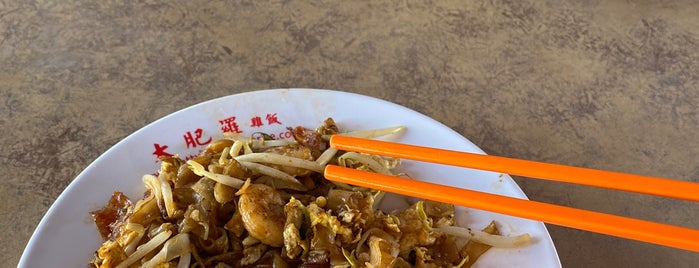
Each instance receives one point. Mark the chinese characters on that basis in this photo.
(229, 125)
(160, 151)
(256, 121)
(195, 140)
(197, 137)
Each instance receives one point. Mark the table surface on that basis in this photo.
(601, 84)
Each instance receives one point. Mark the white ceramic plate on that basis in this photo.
(66, 236)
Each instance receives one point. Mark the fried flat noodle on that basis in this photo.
(239, 205)
(474, 249)
(115, 209)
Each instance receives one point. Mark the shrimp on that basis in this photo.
(262, 211)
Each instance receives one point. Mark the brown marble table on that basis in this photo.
(602, 84)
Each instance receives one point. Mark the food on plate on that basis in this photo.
(245, 202)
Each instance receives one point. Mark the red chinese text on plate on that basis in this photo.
(197, 137)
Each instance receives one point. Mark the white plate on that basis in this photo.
(66, 236)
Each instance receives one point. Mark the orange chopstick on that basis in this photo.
(584, 176)
(635, 229)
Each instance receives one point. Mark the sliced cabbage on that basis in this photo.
(365, 161)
